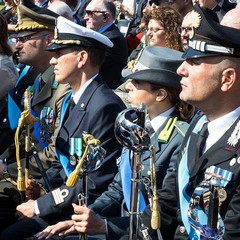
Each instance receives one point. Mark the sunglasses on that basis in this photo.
(156, 2)
(28, 37)
(91, 13)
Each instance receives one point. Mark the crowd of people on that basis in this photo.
(105, 135)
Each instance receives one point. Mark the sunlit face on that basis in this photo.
(140, 92)
(200, 81)
(186, 30)
(65, 62)
(30, 48)
(156, 34)
(95, 16)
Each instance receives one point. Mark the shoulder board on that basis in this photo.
(182, 127)
(172, 123)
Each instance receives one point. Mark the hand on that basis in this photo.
(86, 221)
(25, 210)
(61, 228)
(33, 190)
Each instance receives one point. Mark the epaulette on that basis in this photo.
(172, 123)
(182, 127)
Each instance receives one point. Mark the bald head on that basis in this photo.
(232, 18)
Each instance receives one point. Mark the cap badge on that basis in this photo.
(196, 22)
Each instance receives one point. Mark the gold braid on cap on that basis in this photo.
(31, 27)
(78, 42)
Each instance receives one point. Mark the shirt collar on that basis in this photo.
(103, 29)
(218, 126)
(79, 93)
(159, 120)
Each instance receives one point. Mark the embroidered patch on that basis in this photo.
(235, 136)
(59, 195)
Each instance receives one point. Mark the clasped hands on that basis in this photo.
(83, 221)
(27, 209)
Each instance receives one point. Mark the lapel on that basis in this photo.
(74, 120)
(46, 91)
(220, 152)
(160, 146)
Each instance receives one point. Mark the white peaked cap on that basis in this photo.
(69, 34)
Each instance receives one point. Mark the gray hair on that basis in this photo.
(62, 9)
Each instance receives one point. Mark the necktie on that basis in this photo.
(71, 105)
(202, 137)
(148, 126)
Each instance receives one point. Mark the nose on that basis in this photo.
(182, 70)
(18, 45)
(53, 61)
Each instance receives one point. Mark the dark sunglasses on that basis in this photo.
(156, 2)
(91, 13)
(29, 37)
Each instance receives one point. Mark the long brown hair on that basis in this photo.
(4, 46)
(170, 19)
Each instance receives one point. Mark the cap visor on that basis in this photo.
(55, 47)
(157, 76)
(191, 53)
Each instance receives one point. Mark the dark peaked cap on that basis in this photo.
(210, 38)
(157, 65)
(33, 18)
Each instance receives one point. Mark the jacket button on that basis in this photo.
(182, 229)
(4, 120)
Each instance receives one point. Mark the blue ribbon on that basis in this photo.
(14, 112)
(65, 106)
(183, 179)
(68, 168)
(126, 175)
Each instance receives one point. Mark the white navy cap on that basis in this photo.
(70, 34)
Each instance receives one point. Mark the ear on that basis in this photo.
(49, 39)
(161, 95)
(82, 58)
(229, 76)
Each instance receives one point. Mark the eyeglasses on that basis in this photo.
(184, 29)
(28, 37)
(153, 29)
(91, 13)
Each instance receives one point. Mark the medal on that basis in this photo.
(222, 195)
(73, 160)
(75, 150)
(47, 124)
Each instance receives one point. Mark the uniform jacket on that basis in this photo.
(221, 155)
(109, 204)
(51, 95)
(95, 113)
(116, 57)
